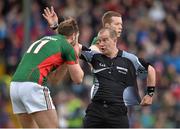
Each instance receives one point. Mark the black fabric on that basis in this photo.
(102, 115)
(150, 90)
(84, 48)
(113, 78)
(119, 73)
(144, 63)
(82, 57)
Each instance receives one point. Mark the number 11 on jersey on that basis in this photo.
(38, 47)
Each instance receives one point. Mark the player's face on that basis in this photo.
(116, 24)
(106, 43)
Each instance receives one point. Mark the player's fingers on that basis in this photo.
(45, 12)
(45, 16)
(145, 102)
(53, 12)
(48, 11)
(141, 103)
(52, 9)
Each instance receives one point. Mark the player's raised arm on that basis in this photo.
(51, 17)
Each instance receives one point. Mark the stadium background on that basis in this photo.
(151, 29)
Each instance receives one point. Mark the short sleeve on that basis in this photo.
(69, 54)
(87, 55)
(140, 69)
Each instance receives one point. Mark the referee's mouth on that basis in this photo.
(102, 49)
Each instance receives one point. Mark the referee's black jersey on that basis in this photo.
(115, 79)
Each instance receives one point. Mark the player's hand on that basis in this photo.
(80, 46)
(77, 49)
(50, 16)
(95, 48)
(147, 100)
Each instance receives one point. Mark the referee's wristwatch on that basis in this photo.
(151, 94)
(54, 26)
(150, 90)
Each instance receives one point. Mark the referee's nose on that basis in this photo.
(101, 43)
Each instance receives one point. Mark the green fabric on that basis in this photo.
(94, 41)
(39, 57)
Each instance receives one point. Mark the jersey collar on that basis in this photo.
(119, 53)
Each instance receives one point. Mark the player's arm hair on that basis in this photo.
(55, 78)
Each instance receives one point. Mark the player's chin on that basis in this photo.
(118, 35)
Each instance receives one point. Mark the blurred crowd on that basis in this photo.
(151, 30)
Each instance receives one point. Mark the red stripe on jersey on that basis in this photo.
(46, 66)
(71, 62)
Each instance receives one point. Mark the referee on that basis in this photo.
(115, 84)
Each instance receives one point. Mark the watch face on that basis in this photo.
(151, 94)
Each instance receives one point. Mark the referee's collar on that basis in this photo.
(119, 53)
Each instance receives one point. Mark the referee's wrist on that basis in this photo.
(54, 26)
(150, 90)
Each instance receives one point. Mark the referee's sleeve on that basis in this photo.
(87, 54)
(144, 63)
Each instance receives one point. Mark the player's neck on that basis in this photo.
(69, 40)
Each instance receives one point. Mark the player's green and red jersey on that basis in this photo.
(42, 57)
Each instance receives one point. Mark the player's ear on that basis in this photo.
(72, 37)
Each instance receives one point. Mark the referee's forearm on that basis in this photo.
(151, 78)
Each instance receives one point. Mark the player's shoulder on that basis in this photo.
(61, 41)
(59, 38)
(94, 41)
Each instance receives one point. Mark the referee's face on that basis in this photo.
(106, 42)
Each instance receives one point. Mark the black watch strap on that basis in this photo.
(150, 90)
